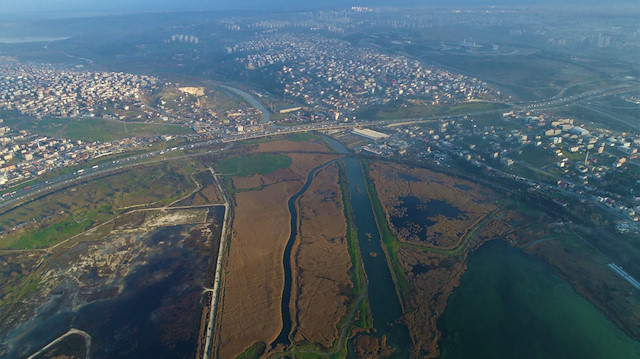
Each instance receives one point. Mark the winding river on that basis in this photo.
(533, 312)
(385, 307)
(283, 337)
(266, 116)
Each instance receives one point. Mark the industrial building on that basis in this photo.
(370, 134)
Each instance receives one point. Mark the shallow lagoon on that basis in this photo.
(512, 305)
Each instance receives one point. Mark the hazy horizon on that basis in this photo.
(80, 7)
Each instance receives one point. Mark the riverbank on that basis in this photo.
(389, 335)
(266, 115)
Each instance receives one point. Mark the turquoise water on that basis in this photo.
(512, 305)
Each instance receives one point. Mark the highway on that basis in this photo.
(28, 192)
(33, 191)
(562, 101)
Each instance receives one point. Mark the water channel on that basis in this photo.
(385, 306)
(283, 337)
(508, 304)
(266, 116)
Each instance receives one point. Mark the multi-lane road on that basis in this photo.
(562, 101)
(33, 191)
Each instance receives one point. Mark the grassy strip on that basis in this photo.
(58, 231)
(470, 234)
(389, 243)
(261, 163)
(254, 351)
(396, 112)
(229, 187)
(358, 275)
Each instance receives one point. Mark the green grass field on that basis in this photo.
(535, 156)
(254, 351)
(261, 163)
(399, 112)
(71, 211)
(92, 129)
(59, 230)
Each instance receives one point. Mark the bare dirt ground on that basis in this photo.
(174, 217)
(322, 263)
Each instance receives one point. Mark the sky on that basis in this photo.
(111, 6)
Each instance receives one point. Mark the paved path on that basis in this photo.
(72, 331)
(625, 275)
(216, 283)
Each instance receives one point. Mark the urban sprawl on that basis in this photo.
(327, 81)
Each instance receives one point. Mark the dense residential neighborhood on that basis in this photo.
(324, 82)
(334, 74)
(44, 90)
(25, 156)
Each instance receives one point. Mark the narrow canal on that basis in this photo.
(283, 337)
(385, 306)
